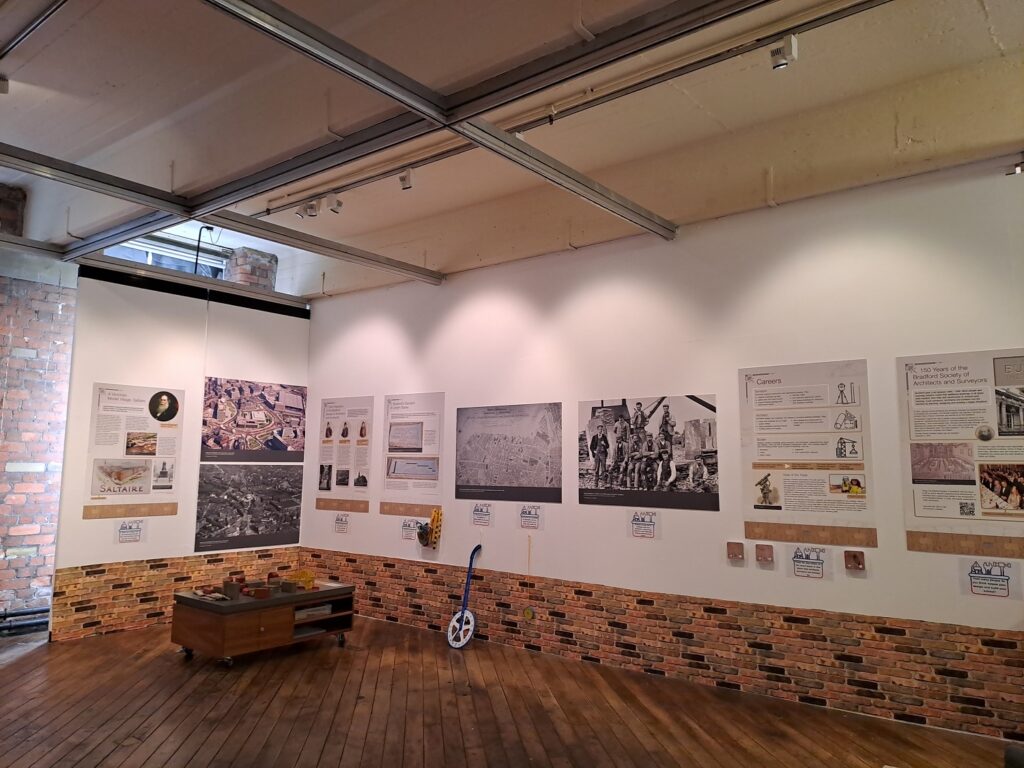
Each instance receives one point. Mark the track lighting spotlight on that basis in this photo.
(311, 209)
(1017, 169)
(405, 178)
(784, 52)
(336, 205)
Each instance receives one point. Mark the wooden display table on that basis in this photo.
(229, 628)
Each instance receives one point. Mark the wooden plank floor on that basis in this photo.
(397, 696)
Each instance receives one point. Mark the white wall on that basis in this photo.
(145, 338)
(926, 265)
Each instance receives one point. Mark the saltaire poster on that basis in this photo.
(509, 452)
(659, 452)
(134, 451)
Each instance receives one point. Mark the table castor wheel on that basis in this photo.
(189, 653)
(227, 661)
(341, 641)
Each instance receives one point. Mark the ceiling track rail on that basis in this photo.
(31, 27)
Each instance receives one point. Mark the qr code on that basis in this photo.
(966, 509)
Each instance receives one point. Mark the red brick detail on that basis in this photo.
(36, 334)
(938, 674)
(111, 597)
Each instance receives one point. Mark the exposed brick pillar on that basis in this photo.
(247, 266)
(36, 331)
(12, 210)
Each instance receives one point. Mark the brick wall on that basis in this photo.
(247, 266)
(36, 330)
(112, 597)
(914, 671)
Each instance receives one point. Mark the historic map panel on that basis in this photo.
(509, 453)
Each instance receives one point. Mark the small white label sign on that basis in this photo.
(130, 532)
(531, 516)
(644, 524)
(483, 514)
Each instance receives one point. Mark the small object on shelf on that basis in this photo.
(273, 575)
(261, 593)
(304, 578)
(316, 610)
(765, 553)
(232, 589)
(288, 586)
(209, 595)
(734, 550)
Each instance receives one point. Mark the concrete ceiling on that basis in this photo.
(181, 97)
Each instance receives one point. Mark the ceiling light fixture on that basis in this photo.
(335, 206)
(1017, 169)
(784, 52)
(405, 178)
(311, 209)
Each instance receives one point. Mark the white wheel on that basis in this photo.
(461, 630)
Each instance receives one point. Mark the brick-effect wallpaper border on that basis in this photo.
(112, 597)
(920, 672)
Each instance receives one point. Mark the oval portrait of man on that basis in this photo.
(163, 406)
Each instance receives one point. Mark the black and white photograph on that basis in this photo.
(658, 452)
(1010, 405)
(248, 505)
(325, 477)
(341, 477)
(942, 463)
(1002, 487)
(509, 453)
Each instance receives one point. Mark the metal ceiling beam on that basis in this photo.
(376, 138)
(27, 245)
(320, 45)
(51, 168)
(675, 20)
(122, 233)
(187, 278)
(31, 27)
(501, 142)
(295, 239)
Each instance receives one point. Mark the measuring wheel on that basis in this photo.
(461, 628)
